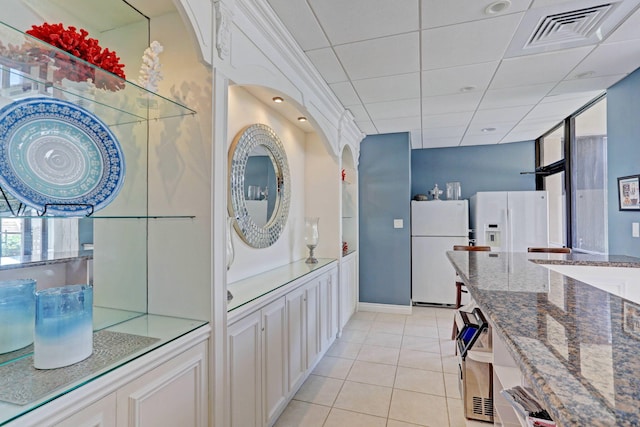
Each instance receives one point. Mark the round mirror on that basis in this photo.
(259, 185)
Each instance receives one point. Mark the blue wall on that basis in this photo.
(385, 252)
(477, 168)
(623, 159)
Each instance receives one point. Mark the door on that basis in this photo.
(274, 357)
(528, 213)
(245, 375)
(432, 275)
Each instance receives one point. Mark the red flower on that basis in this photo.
(86, 48)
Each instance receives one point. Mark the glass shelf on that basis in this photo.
(30, 67)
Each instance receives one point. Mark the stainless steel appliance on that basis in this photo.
(475, 366)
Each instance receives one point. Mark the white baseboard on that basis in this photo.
(385, 308)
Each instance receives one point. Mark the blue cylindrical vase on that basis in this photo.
(17, 313)
(64, 326)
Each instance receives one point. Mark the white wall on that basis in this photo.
(245, 109)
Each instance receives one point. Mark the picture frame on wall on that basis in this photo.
(629, 193)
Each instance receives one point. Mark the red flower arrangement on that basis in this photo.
(86, 48)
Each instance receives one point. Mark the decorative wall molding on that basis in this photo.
(224, 17)
(199, 13)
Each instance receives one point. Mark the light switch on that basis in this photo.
(398, 223)
(635, 229)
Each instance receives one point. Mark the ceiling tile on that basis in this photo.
(480, 139)
(611, 59)
(356, 20)
(445, 81)
(429, 142)
(438, 13)
(628, 30)
(415, 136)
(446, 120)
(537, 69)
(394, 109)
(328, 65)
(501, 129)
(485, 117)
(448, 132)
(367, 127)
(516, 136)
(380, 57)
(397, 124)
(359, 112)
(451, 103)
(586, 85)
(345, 93)
(515, 96)
(468, 43)
(380, 89)
(301, 23)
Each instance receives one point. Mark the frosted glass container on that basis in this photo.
(64, 326)
(17, 313)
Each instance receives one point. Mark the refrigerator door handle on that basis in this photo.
(510, 225)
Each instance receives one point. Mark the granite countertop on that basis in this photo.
(568, 338)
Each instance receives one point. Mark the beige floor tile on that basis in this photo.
(420, 360)
(419, 380)
(383, 339)
(351, 335)
(445, 331)
(344, 349)
(422, 320)
(448, 347)
(456, 413)
(451, 386)
(450, 364)
(391, 318)
(419, 408)
(387, 327)
(421, 331)
(341, 418)
(359, 325)
(444, 313)
(319, 390)
(334, 367)
(372, 373)
(378, 354)
(418, 311)
(396, 423)
(298, 414)
(364, 315)
(430, 345)
(364, 398)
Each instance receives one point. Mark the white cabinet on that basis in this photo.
(348, 288)
(245, 371)
(257, 366)
(173, 394)
(99, 414)
(273, 347)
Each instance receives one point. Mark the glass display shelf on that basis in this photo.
(30, 67)
(163, 329)
(250, 289)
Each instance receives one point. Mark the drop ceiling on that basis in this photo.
(463, 72)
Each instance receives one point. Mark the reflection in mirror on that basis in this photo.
(260, 185)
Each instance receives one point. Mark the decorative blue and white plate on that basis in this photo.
(58, 157)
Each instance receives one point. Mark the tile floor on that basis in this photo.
(386, 370)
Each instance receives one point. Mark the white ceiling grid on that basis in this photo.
(446, 71)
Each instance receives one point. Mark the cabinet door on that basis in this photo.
(274, 358)
(296, 340)
(312, 307)
(334, 285)
(245, 372)
(99, 414)
(325, 306)
(173, 394)
(348, 295)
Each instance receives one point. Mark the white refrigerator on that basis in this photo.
(436, 226)
(510, 221)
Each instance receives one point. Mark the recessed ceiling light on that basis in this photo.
(277, 99)
(302, 119)
(487, 130)
(585, 74)
(497, 7)
(467, 88)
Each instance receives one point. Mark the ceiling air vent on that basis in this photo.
(573, 26)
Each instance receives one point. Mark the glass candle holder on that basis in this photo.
(17, 313)
(63, 327)
(311, 237)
